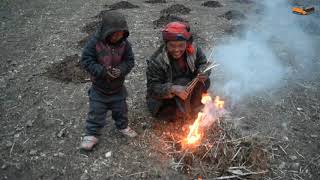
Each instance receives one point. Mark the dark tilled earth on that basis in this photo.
(44, 93)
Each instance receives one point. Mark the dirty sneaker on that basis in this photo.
(88, 142)
(128, 132)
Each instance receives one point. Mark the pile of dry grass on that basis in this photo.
(222, 153)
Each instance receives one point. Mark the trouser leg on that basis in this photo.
(120, 113)
(96, 117)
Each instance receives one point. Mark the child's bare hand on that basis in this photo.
(116, 72)
(110, 75)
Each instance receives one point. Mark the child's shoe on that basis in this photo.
(88, 143)
(128, 132)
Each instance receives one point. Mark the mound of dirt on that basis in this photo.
(91, 27)
(165, 19)
(233, 14)
(176, 9)
(244, 1)
(156, 1)
(122, 5)
(68, 70)
(212, 4)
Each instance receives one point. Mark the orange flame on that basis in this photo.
(206, 98)
(219, 104)
(194, 134)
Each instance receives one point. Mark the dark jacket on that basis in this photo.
(111, 22)
(160, 77)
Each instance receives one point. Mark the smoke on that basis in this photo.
(272, 48)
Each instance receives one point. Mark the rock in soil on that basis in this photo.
(176, 9)
(282, 165)
(293, 158)
(29, 123)
(156, 1)
(61, 133)
(108, 154)
(165, 19)
(212, 4)
(33, 152)
(4, 166)
(295, 166)
(233, 14)
(122, 5)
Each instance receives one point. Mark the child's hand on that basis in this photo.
(116, 72)
(110, 75)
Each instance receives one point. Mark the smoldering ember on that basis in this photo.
(256, 73)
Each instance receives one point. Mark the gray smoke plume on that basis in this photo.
(272, 48)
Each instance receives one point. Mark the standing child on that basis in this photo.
(108, 58)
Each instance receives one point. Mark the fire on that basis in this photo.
(206, 98)
(219, 104)
(194, 134)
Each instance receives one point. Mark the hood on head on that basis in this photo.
(112, 21)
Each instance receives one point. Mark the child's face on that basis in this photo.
(176, 48)
(116, 36)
